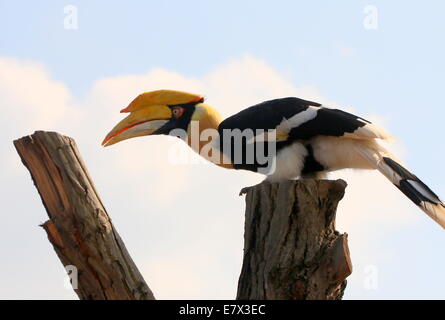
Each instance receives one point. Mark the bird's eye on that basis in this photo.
(177, 111)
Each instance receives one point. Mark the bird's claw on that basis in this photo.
(244, 190)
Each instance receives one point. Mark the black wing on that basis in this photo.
(266, 115)
(298, 119)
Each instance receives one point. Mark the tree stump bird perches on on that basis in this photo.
(291, 249)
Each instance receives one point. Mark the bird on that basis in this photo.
(284, 139)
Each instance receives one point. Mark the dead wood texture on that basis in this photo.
(291, 247)
(79, 227)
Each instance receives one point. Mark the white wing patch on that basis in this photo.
(300, 118)
(281, 132)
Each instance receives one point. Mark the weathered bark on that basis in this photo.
(79, 228)
(291, 247)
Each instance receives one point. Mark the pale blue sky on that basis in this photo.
(397, 69)
(395, 72)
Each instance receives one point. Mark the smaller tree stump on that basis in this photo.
(79, 227)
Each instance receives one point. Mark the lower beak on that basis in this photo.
(142, 122)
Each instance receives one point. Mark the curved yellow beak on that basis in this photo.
(140, 122)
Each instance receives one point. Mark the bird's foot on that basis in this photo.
(246, 189)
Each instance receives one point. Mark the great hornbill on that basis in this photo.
(300, 138)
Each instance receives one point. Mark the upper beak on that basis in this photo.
(141, 122)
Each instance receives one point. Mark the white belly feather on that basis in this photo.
(333, 153)
(336, 153)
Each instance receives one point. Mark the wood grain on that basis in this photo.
(291, 247)
(79, 226)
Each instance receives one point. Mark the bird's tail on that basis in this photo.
(417, 191)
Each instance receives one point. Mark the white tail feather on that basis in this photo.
(408, 183)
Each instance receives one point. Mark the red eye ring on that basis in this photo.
(177, 112)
